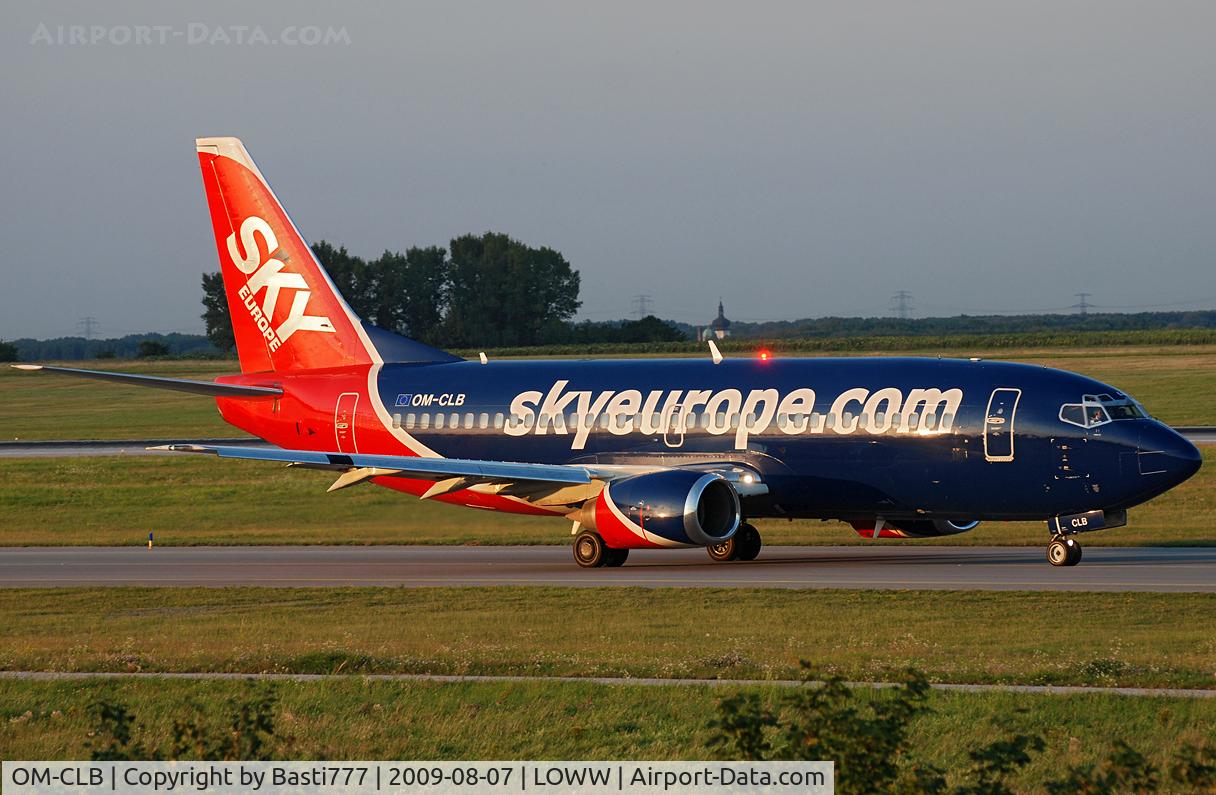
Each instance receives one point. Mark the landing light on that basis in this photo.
(765, 355)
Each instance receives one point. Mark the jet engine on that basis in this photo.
(669, 508)
(913, 528)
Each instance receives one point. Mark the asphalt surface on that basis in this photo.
(1199, 435)
(880, 566)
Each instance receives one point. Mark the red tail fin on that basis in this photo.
(286, 313)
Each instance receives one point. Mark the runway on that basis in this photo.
(1159, 569)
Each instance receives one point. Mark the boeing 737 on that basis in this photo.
(656, 453)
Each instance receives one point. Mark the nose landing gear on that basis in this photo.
(1063, 551)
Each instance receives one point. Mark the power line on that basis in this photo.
(88, 326)
(1082, 305)
(642, 305)
(901, 304)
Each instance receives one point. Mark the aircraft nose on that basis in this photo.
(1164, 453)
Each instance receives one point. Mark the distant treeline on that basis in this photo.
(958, 344)
(128, 347)
(654, 336)
(813, 328)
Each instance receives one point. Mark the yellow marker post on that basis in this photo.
(149, 539)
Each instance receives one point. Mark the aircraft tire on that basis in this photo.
(615, 557)
(727, 550)
(747, 543)
(1063, 551)
(590, 552)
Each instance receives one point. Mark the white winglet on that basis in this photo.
(482, 357)
(26, 366)
(715, 353)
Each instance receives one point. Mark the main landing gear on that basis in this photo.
(743, 545)
(1063, 551)
(591, 552)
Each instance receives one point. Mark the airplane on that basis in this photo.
(650, 454)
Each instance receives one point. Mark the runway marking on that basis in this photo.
(1054, 690)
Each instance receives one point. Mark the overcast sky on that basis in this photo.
(798, 159)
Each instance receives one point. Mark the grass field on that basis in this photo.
(201, 500)
(357, 719)
(1162, 640)
(1175, 382)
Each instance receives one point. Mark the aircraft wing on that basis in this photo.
(548, 485)
(449, 474)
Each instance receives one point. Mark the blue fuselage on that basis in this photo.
(832, 438)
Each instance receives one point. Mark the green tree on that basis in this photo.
(351, 275)
(411, 291)
(504, 292)
(8, 352)
(215, 312)
(149, 348)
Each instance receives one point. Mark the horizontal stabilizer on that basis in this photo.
(176, 384)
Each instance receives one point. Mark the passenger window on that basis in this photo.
(454, 420)
(439, 420)
(468, 420)
(483, 421)
(424, 421)
(930, 421)
(913, 421)
(530, 421)
(409, 420)
(396, 420)
(498, 420)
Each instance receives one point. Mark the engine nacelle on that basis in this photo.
(671, 508)
(914, 528)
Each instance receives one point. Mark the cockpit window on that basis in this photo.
(1073, 413)
(1095, 410)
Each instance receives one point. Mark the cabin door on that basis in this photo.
(344, 422)
(998, 424)
(673, 427)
